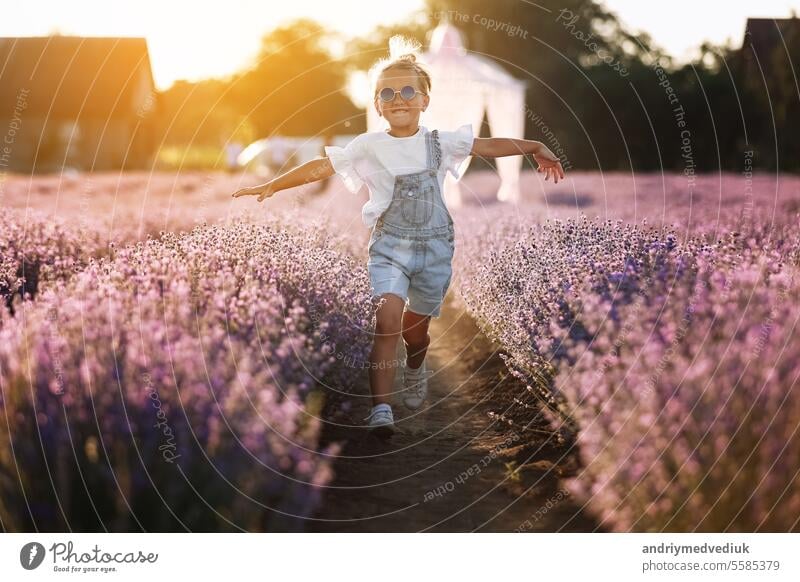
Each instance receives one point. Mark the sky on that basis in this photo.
(198, 39)
(679, 26)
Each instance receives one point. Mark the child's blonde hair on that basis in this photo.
(403, 56)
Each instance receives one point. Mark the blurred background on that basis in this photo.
(94, 86)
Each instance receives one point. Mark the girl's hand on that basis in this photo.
(549, 164)
(262, 191)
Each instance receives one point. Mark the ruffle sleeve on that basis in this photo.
(456, 147)
(344, 160)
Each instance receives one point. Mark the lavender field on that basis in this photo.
(170, 360)
(172, 383)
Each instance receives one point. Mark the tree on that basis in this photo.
(295, 87)
(575, 55)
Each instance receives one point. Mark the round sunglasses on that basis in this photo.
(408, 93)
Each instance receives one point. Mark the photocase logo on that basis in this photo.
(31, 555)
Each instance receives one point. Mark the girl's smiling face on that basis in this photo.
(399, 112)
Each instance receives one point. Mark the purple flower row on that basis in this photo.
(35, 250)
(179, 384)
(677, 361)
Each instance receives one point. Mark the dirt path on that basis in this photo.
(442, 472)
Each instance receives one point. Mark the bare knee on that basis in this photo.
(388, 327)
(389, 319)
(417, 335)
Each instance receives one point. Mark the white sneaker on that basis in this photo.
(415, 381)
(381, 421)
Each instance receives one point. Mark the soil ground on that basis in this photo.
(445, 469)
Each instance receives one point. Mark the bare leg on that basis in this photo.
(383, 358)
(415, 336)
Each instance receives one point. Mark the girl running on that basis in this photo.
(412, 239)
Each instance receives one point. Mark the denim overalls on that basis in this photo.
(411, 245)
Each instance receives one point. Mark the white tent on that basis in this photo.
(464, 85)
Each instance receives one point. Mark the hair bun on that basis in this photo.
(403, 48)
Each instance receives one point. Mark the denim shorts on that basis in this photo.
(417, 269)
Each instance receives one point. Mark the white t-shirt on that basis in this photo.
(376, 157)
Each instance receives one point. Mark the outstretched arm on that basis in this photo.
(498, 147)
(312, 171)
